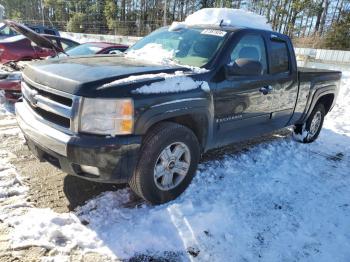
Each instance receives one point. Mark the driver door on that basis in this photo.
(242, 110)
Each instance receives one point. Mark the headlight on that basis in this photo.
(107, 116)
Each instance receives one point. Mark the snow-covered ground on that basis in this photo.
(278, 201)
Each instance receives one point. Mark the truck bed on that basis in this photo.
(311, 82)
(315, 75)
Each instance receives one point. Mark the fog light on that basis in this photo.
(90, 170)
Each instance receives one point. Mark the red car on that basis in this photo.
(19, 48)
(11, 83)
(95, 48)
(30, 45)
(10, 80)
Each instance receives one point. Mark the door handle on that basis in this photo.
(266, 89)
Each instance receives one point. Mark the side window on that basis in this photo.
(251, 47)
(279, 57)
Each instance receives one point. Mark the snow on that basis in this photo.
(177, 26)
(10, 184)
(230, 17)
(52, 230)
(276, 201)
(177, 82)
(144, 77)
(6, 108)
(12, 190)
(40, 227)
(205, 87)
(8, 124)
(152, 52)
(171, 84)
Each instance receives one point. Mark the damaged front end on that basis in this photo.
(10, 79)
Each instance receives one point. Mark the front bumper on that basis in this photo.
(115, 157)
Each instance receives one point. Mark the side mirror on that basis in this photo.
(244, 67)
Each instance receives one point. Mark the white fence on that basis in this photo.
(333, 56)
(82, 38)
(305, 54)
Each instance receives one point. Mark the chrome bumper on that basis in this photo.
(41, 133)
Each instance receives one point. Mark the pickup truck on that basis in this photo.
(128, 119)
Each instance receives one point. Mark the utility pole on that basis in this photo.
(165, 13)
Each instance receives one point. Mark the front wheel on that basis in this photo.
(167, 164)
(310, 131)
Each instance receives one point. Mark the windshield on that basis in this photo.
(84, 49)
(187, 46)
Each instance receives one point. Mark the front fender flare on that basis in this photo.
(168, 110)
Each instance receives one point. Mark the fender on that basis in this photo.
(322, 91)
(194, 107)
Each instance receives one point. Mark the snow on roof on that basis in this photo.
(228, 17)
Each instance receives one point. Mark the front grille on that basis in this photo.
(56, 119)
(51, 105)
(60, 99)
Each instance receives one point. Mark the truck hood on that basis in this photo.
(86, 75)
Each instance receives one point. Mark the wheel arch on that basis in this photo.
(197, 121)
(327, 100)
(326, 95)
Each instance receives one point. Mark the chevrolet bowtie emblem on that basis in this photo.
(31, 96)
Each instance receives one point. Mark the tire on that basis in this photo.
(152, 179)
(310, 131)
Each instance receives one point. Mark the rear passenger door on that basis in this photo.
(284, 83)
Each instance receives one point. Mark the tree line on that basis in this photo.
(311, 21)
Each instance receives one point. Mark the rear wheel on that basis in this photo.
(310, 131)
(167, 164)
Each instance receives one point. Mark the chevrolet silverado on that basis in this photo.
(127, 119)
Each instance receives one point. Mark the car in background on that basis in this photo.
(19, 48)
(11, 83)
(10, 78)
(6, 31)
(95, 48)
(16, 51)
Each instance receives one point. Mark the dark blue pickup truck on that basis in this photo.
(126, 119)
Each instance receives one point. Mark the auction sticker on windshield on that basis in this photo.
(213, 32)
